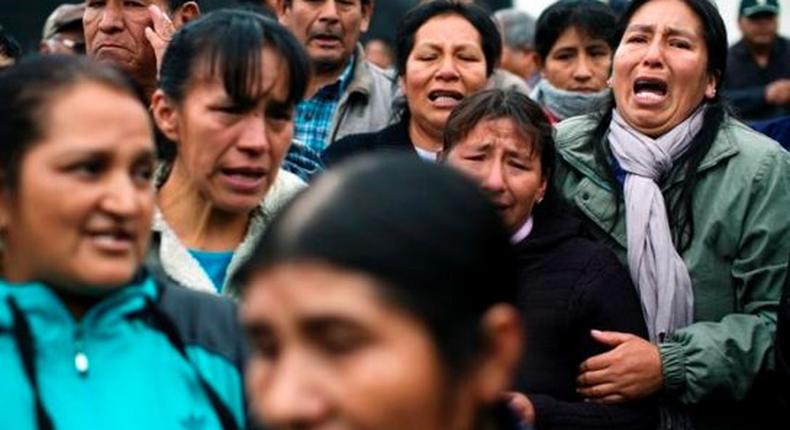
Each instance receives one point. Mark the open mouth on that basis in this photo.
(245, 179)
(326, 38)
(113, 240)
(650, 89)
(445, 98)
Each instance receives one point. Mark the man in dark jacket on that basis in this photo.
(757, 80)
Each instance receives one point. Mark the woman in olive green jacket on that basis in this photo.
(697, 206)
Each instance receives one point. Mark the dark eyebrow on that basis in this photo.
(672, 31)
(319, 324)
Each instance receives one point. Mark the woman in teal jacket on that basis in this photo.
(87, 339)
(696, 204)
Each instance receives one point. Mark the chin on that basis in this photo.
(105, 277)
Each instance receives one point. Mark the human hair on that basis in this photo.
(30, 89)
(591, 17)
(442, 269)
(8, 45)
(492, 104)
(490, 39)
(518, 28)
(228, 44)
(679, 208)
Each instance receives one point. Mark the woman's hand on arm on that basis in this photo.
(521, 406)
(631, 370)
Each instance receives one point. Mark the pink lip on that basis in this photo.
(244, 184)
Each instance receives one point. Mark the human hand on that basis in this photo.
(521, 406)
(631, 370)
(159, 36)
(778, 92)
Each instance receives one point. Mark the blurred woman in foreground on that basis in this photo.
(369, 305)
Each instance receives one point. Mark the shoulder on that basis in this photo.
(575, 131)
(361, 142)
(284, 188)
(754, 151)
(204, 320)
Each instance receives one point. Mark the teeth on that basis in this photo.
(445, 99)
(649, 96)
(109, 239)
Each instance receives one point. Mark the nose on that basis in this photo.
(111, 18)
(329, 12)
(493, 178)
(253, 138)
(582, 71)
(448, 69)
(654, 55)
(286, 395)
(123, 198)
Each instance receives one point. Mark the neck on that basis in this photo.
(759, 51)
(323, 76)
(424, 136)
(197, 222)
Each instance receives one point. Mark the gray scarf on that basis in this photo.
(658, 271)
(565, 104)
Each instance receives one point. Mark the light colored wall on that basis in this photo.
(728, 9)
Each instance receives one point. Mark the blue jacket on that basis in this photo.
(145, 357)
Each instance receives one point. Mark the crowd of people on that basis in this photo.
(246, 218)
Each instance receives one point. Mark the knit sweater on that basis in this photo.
(569, 286)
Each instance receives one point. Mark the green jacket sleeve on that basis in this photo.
(725, 356)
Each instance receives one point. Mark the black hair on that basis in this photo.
(228, 44)
(8, 45)
(490, 38)
(428, 235)
(679, 207)
(530, 121)
(527, 115)
(29, 89)
(590, 17)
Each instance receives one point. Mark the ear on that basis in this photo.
(367, 14)
(165, 115)
(282, 9)
(710, 87)
(544, 184)
(185, 13)
(501, 328)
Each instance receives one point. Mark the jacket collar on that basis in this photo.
(577, 150)
(49, 316)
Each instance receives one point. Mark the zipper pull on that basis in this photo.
(81, 363)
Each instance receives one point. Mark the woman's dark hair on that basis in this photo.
(591, 17)
(228, 44)
(430, 237)
(29, 90)
(679, 208)
(490, 38)
(529, 118)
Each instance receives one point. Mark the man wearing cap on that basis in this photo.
(757, 81)
(132, 35)
(63, 32)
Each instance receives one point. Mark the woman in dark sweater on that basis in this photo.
(570, 284)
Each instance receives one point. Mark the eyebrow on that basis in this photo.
(671, 31)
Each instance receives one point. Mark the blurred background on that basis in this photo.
(25, 18)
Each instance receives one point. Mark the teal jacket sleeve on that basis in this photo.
(725, 356)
